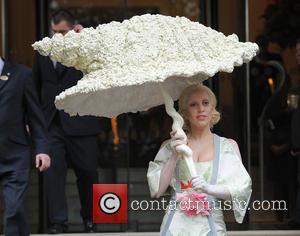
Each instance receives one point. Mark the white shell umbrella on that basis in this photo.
(141, 63)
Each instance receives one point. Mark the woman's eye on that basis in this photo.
(193, 104)
(205, 103)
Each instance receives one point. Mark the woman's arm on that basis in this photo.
(169, 168)
(167, 174)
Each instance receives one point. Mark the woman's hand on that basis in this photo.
(199, 183)
(218, 191)
(177, 140)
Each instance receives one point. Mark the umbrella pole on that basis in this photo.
(177, 125)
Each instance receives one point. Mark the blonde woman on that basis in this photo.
(221, 174)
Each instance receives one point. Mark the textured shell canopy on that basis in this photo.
(124, 63)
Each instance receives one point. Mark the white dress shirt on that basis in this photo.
(1, 65)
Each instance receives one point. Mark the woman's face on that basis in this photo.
(199, 110)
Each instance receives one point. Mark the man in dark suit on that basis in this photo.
(19, 106)
(73, 139)
(296, 115)
(295, 147)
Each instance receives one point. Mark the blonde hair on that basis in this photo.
(185, 96)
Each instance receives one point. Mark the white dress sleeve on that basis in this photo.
(235, 177)
(155, 167)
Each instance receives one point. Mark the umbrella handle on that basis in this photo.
(177, 125)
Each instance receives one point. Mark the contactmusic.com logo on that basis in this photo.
(110, 203)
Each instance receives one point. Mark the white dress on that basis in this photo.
(231, 173)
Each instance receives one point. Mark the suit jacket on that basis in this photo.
(50, 83)
(19, 105)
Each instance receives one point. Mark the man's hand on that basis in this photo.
(295, 153)
(77, 28)
(278, 150)
(42, 161)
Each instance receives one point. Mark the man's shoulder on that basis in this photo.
(38, 58)
(20, 69)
